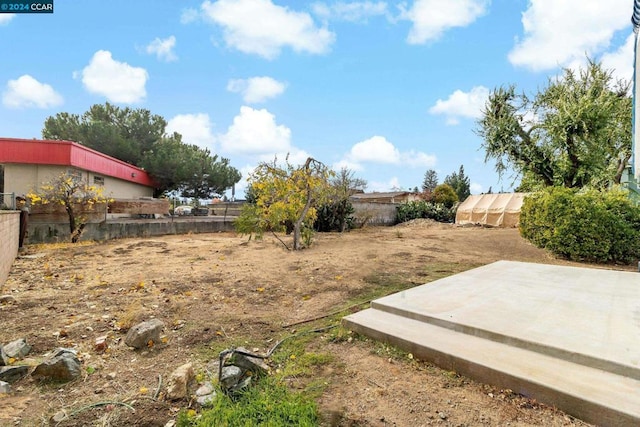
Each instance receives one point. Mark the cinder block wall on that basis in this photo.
(9, 234)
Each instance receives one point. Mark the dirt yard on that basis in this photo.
(214, 291)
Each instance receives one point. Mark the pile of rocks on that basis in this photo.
(62, 364)
(236, 368)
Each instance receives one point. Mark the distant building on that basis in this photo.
(385, 197)
(25, 164)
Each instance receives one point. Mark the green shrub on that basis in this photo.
(589, 225)
(335, 216)
(446, 195)
(268, 403)
(423, 209)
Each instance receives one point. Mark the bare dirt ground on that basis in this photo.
(214, 291)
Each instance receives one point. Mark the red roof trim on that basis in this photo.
(68, 153)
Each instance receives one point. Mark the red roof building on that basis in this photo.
(25, 164)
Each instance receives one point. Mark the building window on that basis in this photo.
(76, 175)
(98, 180)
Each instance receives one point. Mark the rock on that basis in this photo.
(178, 385)
(204, 389)
(7, 299)
(17, 349)
(144, 334)
(205, 395)
(11, 374)
(2, 357)
(5, 387)
(59, 417)
(207, 399)
(101, 344)
(63, 365)
(170, 423)
(254, 365)
(230, 376)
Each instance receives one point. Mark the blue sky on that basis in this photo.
(388, 89)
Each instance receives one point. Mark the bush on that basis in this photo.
(336, 216)
(423, 209)
(446, 195)
(590, 225)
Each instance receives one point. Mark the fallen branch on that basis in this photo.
(281, 241)
(157, 392)
(325, 315)
(98, 404)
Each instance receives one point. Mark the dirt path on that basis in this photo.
(218, 290)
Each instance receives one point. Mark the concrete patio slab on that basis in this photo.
(567, 336)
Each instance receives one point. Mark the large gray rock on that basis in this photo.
(62, 365)
(11, 374)
(206, 394)
(17, 349)
(230, 376)
(144, 334)
(255, 365)
(178, 385)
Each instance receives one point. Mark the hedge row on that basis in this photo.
(585, 225)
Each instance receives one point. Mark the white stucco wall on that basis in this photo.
(22, 178)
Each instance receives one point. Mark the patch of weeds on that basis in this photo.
(438, 270)
(129, 316)
(292, 360)
(384, 283)
(453, 379)
(341, 334)
(268, 403)
(389, 351)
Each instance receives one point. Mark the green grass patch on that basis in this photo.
(268, 403)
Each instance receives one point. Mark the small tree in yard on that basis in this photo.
(75, 195)
(285, 196)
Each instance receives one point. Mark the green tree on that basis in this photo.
(336, 214)
(445, 194)
(430, 181)
(138, 137)
(460, 183)
(286, 195)
(75, 195)
(574, 132)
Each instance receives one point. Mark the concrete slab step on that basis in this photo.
(593, 395)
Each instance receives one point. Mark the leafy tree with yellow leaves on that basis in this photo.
(286, 198)
(75, 195)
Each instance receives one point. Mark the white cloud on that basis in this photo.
(376, 186)
(344, 163)
(189, 15)
(621, 61)
(194, 128)
(462, 104)
(256, 89)
(358, 11)
(378, 150)
(375, 150)
(475, 188)
(556, 33)
(28, 92)
(255, 132)
(5, 18)
(117, 81)
(431, 18)
(263, 28)
(417, 159)
(163, 48)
